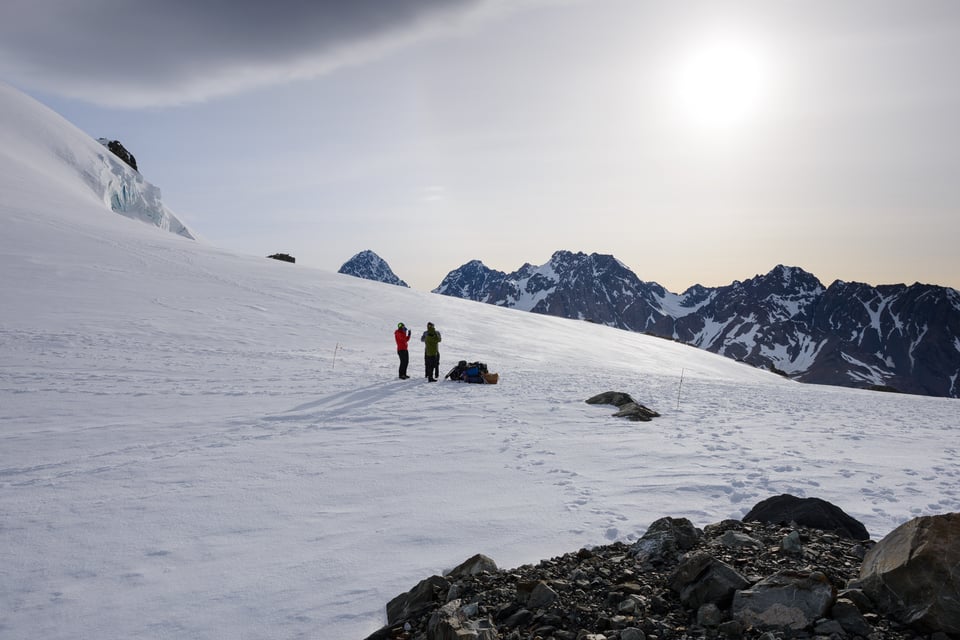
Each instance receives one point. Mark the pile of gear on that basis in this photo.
(472, 372)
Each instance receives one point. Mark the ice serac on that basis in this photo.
(898, 337)
(369, 266)
(126, 192)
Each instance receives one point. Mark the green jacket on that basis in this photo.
(431, 338)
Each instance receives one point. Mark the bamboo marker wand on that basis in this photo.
(679, 388)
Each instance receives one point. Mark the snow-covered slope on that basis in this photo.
(199, 444)
(35, 141)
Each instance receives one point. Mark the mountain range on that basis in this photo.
(891, 337)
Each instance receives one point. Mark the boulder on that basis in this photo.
(542, 596)
(701, 579)
(709, 615)
(791, 544)
(451, 622)
(807, 512)
(472, 566)
(788, 600)
(738, 540)
(846, 612)
(665, 539)
(615, 398)
(419, 599)
(913, 574)
(636, 412)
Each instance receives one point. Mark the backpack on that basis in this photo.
(468, 372)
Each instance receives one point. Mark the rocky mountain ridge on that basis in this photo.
(369, 266)
(894, 337)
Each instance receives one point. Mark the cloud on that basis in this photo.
(133, 53)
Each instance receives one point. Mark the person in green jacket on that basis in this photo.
(431, 352)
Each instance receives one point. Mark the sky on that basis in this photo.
(200, 443)
(698, 142)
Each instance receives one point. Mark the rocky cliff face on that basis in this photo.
(851, 334)
(369, 266)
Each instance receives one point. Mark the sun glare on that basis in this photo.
(721, 85)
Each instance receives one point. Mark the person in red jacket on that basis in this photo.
(402, 336)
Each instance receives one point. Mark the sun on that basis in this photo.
(722, 84)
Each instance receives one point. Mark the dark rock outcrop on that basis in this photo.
(283, 257)
(808, 512)
(120, 151)
(627, 407)
(636, 412)
(616, 398)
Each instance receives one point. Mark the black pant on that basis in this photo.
(432, 364)
(404, 361)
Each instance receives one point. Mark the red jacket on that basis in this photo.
(402, 336)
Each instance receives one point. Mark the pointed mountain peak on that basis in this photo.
(369, 266)
(470, 281)
(782, 278)
(475, 264)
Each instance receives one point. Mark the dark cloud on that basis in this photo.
(145, 51)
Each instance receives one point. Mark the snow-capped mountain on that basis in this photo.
(369, 266)
(566, 286)
(851, 334)
(72, 157)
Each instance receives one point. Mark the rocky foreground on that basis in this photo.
(735, 579)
